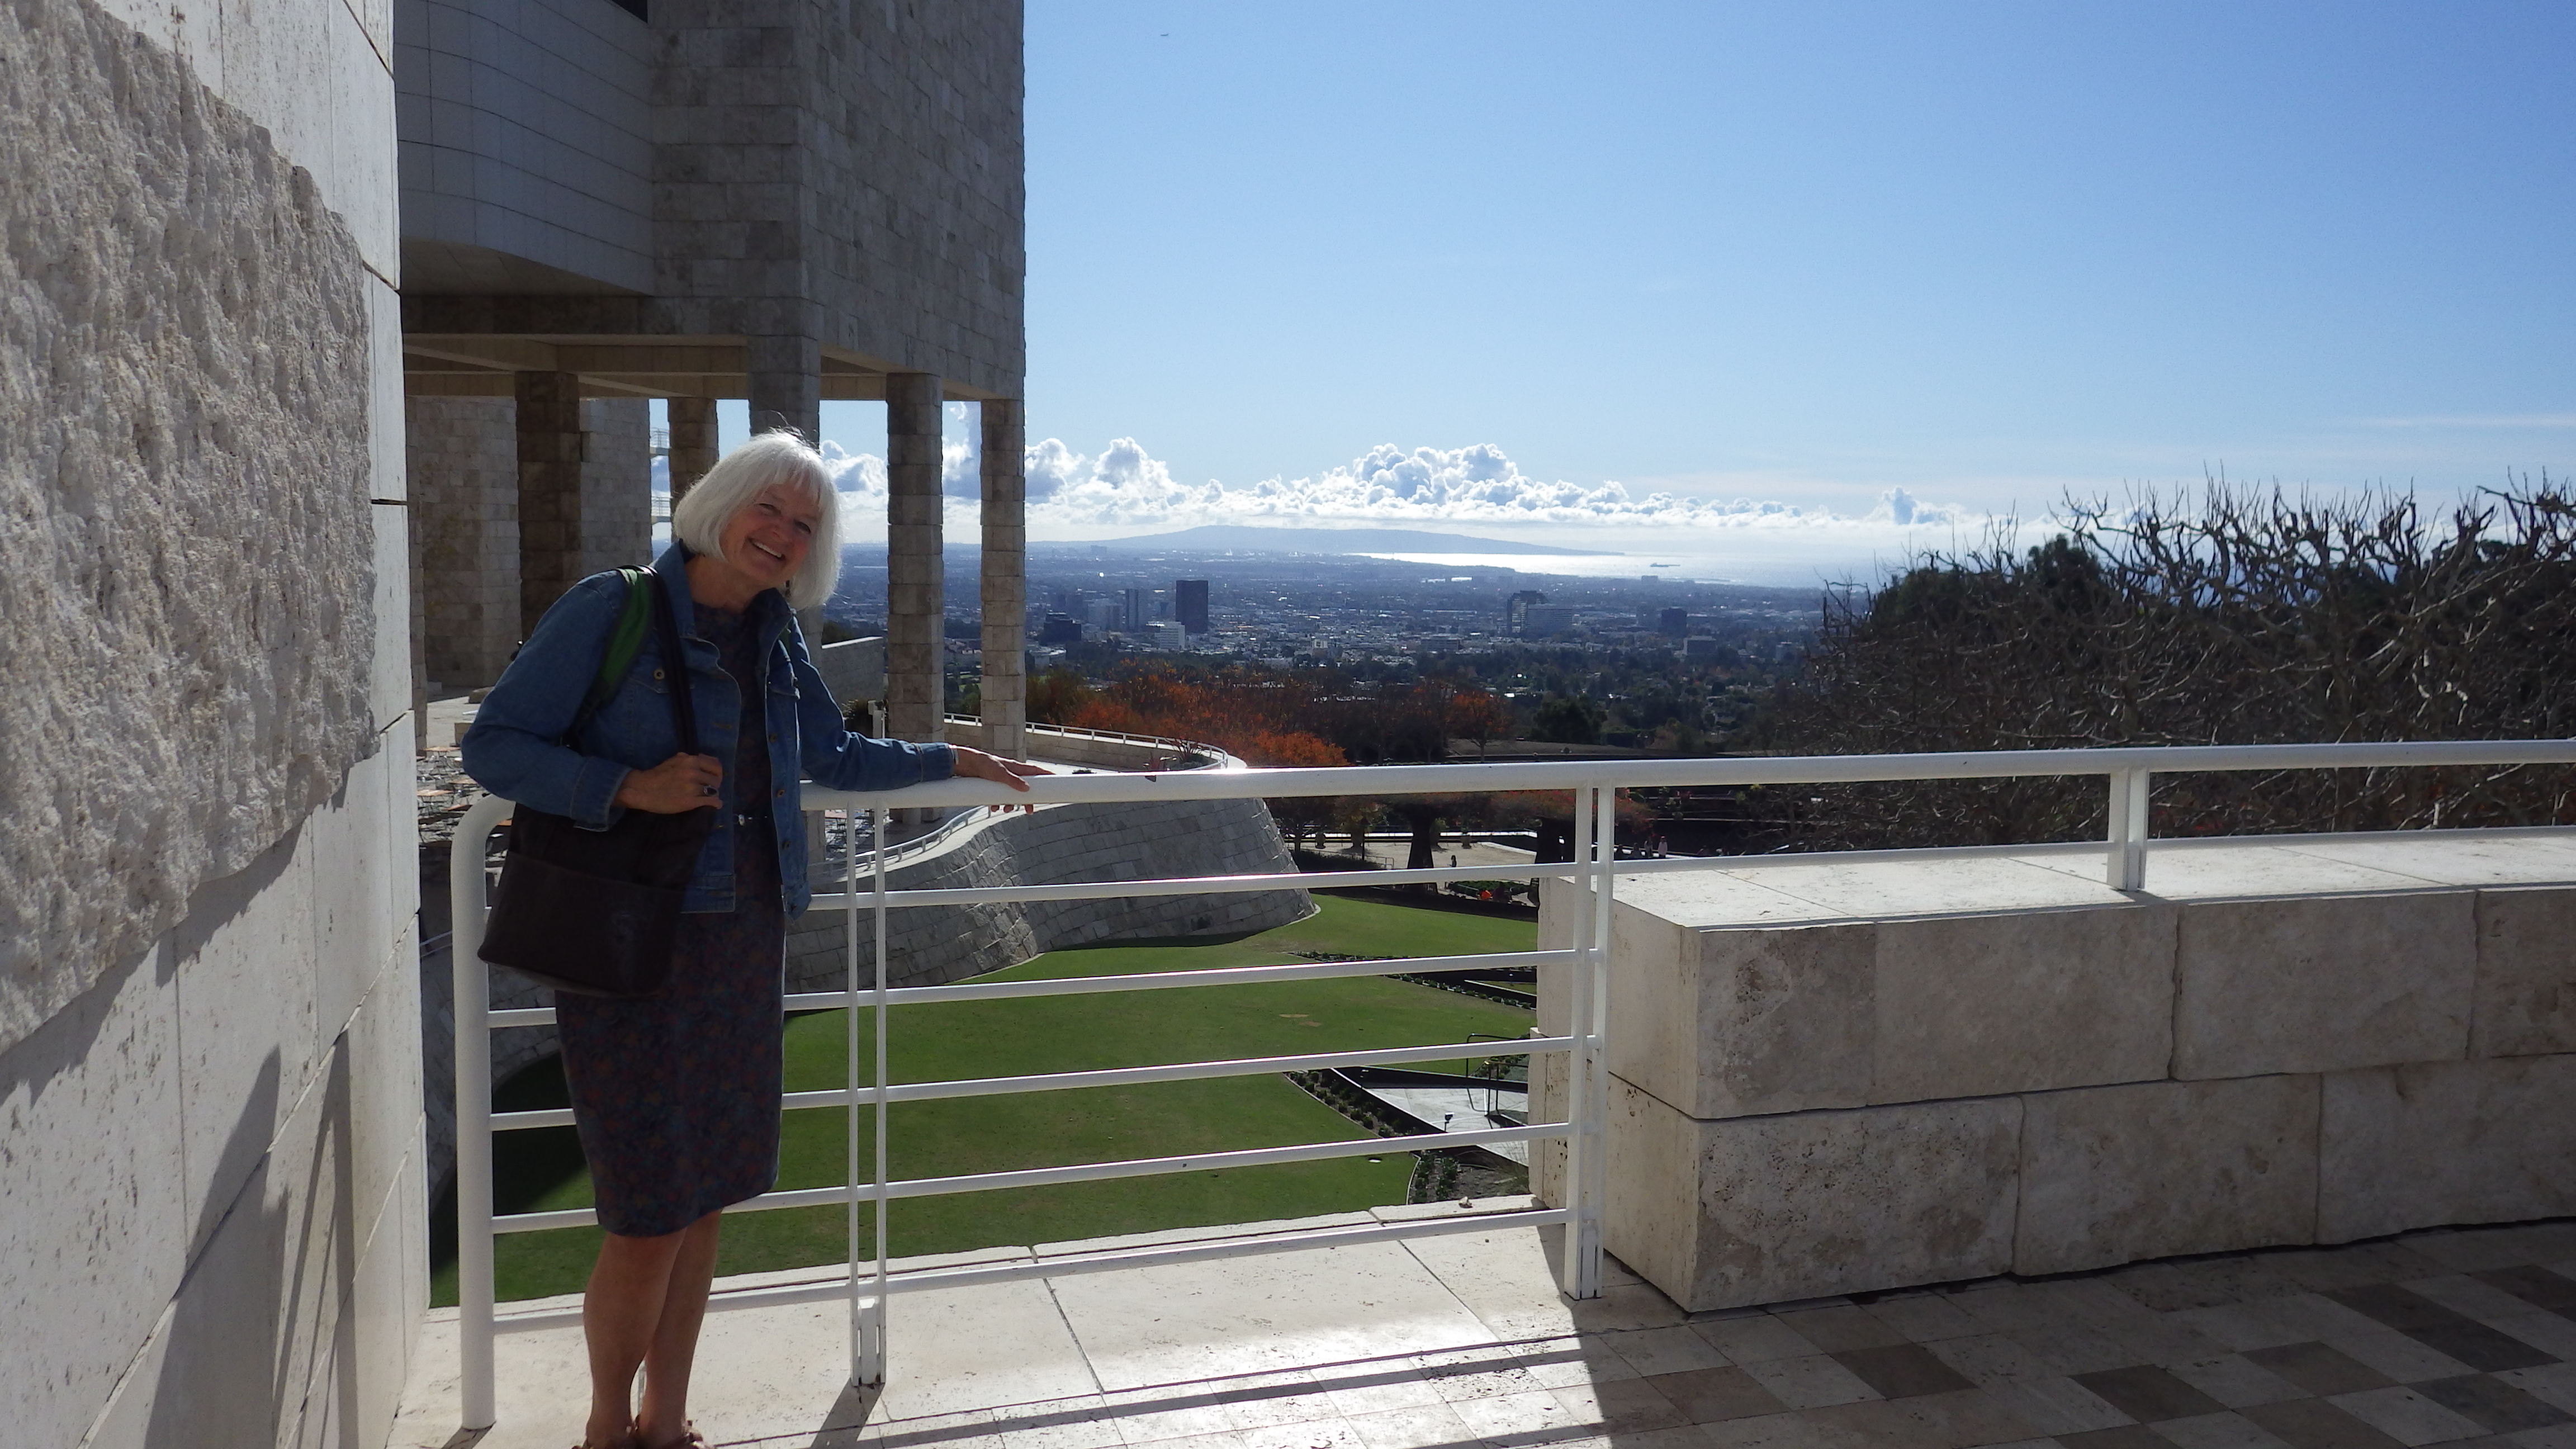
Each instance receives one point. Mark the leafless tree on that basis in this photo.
(2255, 617)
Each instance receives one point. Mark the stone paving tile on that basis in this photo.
(2147, 1393)
(2492, 1404)
(2316, 1424)
(2218, 1431)
(1932, 1421)
(2400, 1357)
(2407, 1416)
(1621, 1407)
(1666, 1350)
(1988, 1358)
(1709, 1396)
(1753, 1339)
(1421, 1426)
(2057, 1405)
(2127, 1436)
(1901, 1370)
(2319, 1368)
(1512, 1420)
(2555, 1333)
(1838, 1328)
(2235, 1380)
(2551, 1384)
(1922, 1317)
(2535, 1286)
(1813, 1382)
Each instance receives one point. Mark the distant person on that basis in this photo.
(676, 1095)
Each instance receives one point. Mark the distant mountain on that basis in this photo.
(1243, 538)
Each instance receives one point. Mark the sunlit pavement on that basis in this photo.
(2434, 1338)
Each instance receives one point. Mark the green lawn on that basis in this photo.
(542, 1170)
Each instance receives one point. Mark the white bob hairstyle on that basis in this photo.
(780, 457)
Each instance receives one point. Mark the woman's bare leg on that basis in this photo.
(674, 1350)
(620, 1313)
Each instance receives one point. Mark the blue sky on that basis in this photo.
(1791, 254)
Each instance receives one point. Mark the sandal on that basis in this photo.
(689, 1438)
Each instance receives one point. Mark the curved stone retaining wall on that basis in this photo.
(930, 945)
(934, 945)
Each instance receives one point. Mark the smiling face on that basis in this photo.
(767, 540)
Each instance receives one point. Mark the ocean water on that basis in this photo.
(1791, 564)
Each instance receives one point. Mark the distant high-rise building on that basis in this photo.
(1057, 629)
(1138, 609)
(1673, 623)
(1516, 611)
(1546, 621)
(1189, 604)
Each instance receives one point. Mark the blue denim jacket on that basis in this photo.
(515, 749)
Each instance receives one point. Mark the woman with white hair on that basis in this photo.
(676, 1095)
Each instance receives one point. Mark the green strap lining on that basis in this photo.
(624, 642)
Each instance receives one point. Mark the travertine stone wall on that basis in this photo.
(184, 499)
(211, 1201)
(465, 514)
(2285, 1048)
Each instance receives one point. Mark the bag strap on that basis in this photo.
(624, 643)
(684, 715)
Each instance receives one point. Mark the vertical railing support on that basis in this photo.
(472, 1014)
(1580, 1272)
(2126, 869)
(867, 1311)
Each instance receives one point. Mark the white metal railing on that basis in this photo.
(1594, 784)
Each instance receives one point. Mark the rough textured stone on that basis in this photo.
(1728, 1023)
(2323, 984)
(1976, 1005)
(183, 498)
(2446, 1142)
(2158, 1169)
(1004, 582)
(1808, 1204)
(2526, 991)
(915, 583)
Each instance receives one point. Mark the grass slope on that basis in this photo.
(540, 1171)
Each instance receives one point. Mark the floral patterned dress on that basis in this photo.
(676, 1095)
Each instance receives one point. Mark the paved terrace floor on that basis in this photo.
(2451, 1338)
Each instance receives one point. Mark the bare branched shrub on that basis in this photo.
(2255, 618)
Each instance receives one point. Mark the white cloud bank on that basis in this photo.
(1124, 488)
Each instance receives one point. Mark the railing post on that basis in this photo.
(868, 1313)
(1580, 1272)
(472, 1014)
(2127, 867)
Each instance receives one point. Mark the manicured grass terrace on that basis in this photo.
(542, 1170)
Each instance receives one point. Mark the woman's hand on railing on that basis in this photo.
(973, 764)
(677, 785)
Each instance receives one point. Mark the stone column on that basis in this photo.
(786, 385)
(693, 442)
(1006, 582)
(550, 456)
(915, 582)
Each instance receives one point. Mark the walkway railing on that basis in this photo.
(866, 905)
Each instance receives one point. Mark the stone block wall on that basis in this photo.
(211, 1192)
(616, 483)
(465, 500)
(1841, 1105)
